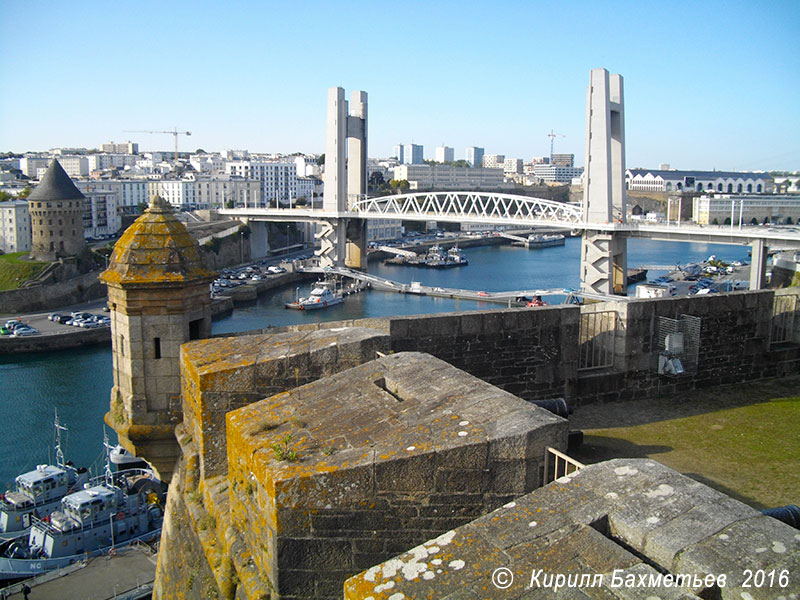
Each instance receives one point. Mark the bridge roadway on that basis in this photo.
(530, 212)
(380, 283)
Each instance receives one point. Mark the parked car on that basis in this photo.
(5, 330)
(25, 331)
(54, 317)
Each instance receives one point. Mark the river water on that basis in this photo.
(77, 382)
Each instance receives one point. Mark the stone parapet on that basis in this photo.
(223, 374)
(623, 528)
(330, 477)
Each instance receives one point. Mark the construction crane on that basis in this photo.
(552, 135)
(174, 131)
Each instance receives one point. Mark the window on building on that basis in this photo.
(730, 188)
(739, 188)
(157, 347)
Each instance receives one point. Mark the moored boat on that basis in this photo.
(39, 492)
(323, 295)
(109, 512)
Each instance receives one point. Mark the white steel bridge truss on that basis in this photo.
(476, 207)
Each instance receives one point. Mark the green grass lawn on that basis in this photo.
(749, 452)
(14, 271)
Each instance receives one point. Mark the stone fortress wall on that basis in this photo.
(398, 450)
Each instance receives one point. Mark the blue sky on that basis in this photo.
(708, 85)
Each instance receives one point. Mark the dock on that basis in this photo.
(127, 576)
(509, 298)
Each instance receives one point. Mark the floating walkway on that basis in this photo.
(380, 283)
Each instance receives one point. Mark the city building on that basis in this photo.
(446, 177)
(727, 182)
(128, 193)
(124, 148)
(512, 166)
(15, 226)
(74, 166)
(412, 154)
(278, 179)
(221, 191)
(444, 154)
(383, 229)
(29, 165)
(474, 156)
(493, 161)
(565, 160)
(101, 215)
(724, 209)
(56, 209)
(559, 173)
(102, 162)
(397, 152)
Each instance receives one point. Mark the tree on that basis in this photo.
(715, 222)
(142, 207)
(5, 196)
(376, 178)
(321, 159)
(229, 204)
(727, 221)
(200, 151)
(25, 193)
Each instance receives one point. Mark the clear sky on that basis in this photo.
(708, 85)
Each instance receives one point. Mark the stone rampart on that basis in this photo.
(388, 454)
(61, 341)
(622, 528)
(222, 374)
(82, 288)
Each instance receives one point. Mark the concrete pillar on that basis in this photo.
(356, 253)
(604, 254)
(758, 264)
(259, 239)
(357, 148)
(335, 190)
(604, 263)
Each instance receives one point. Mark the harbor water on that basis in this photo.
(77, 382)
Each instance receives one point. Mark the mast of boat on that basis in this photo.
(59, 428)
(108, 475)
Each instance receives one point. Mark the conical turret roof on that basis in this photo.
(56, 185)
(156, 250)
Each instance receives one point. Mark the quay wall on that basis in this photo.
(82, 288)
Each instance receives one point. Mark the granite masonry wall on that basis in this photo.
(619, 529)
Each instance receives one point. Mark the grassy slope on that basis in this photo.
(750, 452)
(14, 271)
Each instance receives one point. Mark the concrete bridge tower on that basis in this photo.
(344, 241)
(603, 252)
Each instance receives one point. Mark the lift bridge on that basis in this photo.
(600, 217)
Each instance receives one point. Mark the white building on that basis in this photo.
(278, 179)
(221, 190)
(15, 226)
(474, 156)
(397, 152)
(726, 209)
(383, 229)
(124, 148)
(29, 165)
(129, 193)
(102, 162)
(180, 193)
(494, 161)
(512, 166)
(74, 166)
(727, 182)
(558, 173)
(207, 163)
(446, 177)
(100, 210)
(412, 154)
(444, 154)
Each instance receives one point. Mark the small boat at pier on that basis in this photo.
(323, 295)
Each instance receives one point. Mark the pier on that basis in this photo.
(506, 297)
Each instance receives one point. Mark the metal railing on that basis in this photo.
(557, 464)
(597, 339)
(784, 315)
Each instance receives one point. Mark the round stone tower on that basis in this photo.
(158, 294)
(56, 209)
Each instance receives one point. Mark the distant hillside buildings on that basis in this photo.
(727, 182)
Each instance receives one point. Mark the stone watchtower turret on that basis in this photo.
(159, 298)
(56, 209)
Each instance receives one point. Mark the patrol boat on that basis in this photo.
(110, 511)
(38, 492)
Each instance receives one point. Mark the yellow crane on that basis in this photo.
(174, 132)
